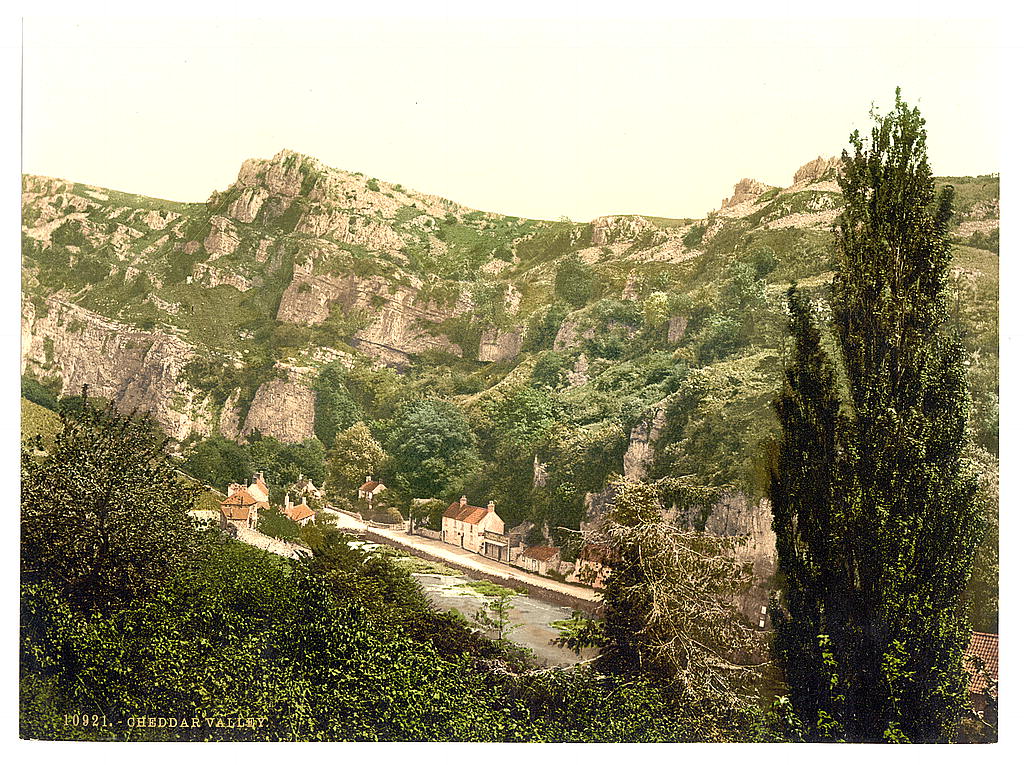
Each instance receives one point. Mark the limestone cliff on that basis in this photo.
(283, 408)
(139, 370)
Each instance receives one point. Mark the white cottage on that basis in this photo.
(478, 529)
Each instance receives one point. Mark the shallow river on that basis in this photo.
(534, 616)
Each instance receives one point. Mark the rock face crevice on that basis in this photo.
(397, 319)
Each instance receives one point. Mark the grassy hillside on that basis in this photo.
(623, 320)
(39, 421)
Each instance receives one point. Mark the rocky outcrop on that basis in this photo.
(398, 320)
(222, 239)
(613, 228)
(580, 372)
(210, 276)
(139, 370)
(283, 408)
(500, 346)
(817, 168)
(746, 190)
(540, 473)
(280, 176)
(677, 328)
(352, 229)
(230, 423)
(640, 453)
(247, 205)
(749, 522)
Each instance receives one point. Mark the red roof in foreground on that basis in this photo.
(240, 498)
(238, 506)
(984, 646)
(466, 513)
(299, 512)
(370, 486)
(540, 552)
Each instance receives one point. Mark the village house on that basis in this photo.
(300, 513)
(304, 487)
(478, 529)
(240, 509)
(370, 490)
(593, 566)
(540, 560)
(258, 488)
(981, 660)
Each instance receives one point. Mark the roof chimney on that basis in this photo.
(462, 501)
(369, 478)
(490, 506)
(287, 500)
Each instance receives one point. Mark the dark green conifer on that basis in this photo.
(872, 493)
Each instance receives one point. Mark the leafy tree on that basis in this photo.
(217, 462)
(432, 449)
(334, 408)
(579, 632)
(355, 455)
(550, 369)
(275, 523)
(282, 463)
(104, 516)
(873, 499)
(543, 327)
(520, 420)
(496, 616)
(574, 281)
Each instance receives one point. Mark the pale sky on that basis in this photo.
(534, 118)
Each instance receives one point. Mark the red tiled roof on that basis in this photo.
(369, 486)
(299, 512)
(540, 552)
(466, 513)
(238, 506)
(242, 497)
(478, 514)
(985, 646)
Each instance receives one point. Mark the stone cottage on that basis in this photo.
(304, 487)
(370, 490)
(258, 488)
(540, 559)
(300, 513)
(593, 566)
(241, 509)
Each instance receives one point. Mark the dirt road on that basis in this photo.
(470, 562)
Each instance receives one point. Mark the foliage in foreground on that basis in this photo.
(667, 615)
(342, 645)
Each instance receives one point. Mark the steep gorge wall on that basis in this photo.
(137, 369)
(144, 370)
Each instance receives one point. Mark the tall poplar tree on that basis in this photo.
(872, 494)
